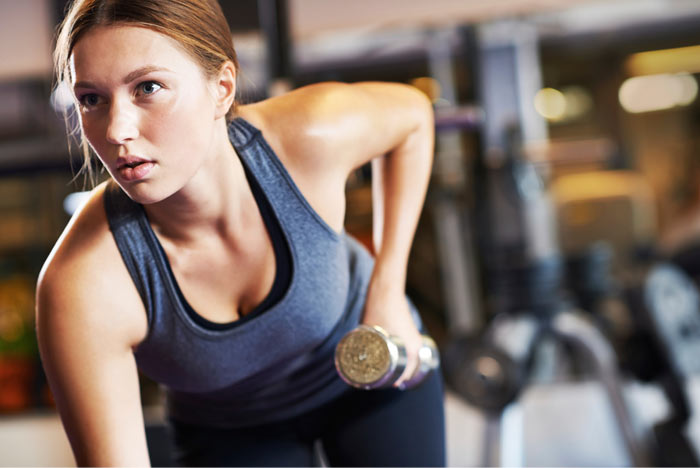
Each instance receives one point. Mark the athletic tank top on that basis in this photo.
(283, 264)
(276, 362)
(269, 365)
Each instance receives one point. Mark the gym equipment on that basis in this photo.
(490, 372)
(490, 369)
(664, 347)
(525, 277)
(532, 294)
(369, 358)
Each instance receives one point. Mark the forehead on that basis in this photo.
(114, 51)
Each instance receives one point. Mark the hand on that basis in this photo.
(388, 308)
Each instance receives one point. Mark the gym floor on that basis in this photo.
(563, 424)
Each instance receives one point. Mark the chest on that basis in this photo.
(222, 283)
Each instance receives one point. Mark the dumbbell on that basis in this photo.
(369, 358)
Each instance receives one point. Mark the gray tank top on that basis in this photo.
(279, 363)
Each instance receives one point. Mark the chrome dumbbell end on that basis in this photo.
(368, 358)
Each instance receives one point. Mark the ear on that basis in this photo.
(225, 89)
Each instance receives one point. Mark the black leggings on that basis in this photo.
(362, 428)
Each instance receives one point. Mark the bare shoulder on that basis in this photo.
(352, 122)
(322, 132)
(85, 281)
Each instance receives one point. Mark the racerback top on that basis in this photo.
(275, 364)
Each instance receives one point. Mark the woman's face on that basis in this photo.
(146, 108)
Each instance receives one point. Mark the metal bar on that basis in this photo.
(574, 329)
(274, 22)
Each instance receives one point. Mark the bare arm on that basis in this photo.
(399, 183)
(85, 339)
(327, 130)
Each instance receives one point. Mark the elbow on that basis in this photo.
(421, 108)
(423, 133)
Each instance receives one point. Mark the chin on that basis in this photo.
(144, 193)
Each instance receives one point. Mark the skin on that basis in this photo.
(204, 214)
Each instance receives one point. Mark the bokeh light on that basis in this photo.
(657, 92)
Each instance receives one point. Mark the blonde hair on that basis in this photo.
(199, 26)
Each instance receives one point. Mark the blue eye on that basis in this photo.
(149, 87)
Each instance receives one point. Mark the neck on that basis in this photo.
(213, 202)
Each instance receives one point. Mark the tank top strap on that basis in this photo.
(127, 220)
(292, 207)
(241, 132)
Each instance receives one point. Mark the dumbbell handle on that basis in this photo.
(428, 360)
(368, 358)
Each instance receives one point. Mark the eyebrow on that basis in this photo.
(128, 78)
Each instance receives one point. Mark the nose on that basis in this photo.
(122, 124)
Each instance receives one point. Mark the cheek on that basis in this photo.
(93, 131)
(181, 124)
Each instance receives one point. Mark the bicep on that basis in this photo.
(93, 375)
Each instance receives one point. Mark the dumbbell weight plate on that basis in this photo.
(368, 357)
(484, 375)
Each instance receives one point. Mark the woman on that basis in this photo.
(214, 260)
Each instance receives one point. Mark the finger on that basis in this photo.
(410, 369)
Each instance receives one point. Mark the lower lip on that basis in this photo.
(136, 173)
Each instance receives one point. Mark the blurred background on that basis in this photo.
(558, 255)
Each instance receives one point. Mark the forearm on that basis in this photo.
(92, 374)
(102, 419)
(399, 185)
